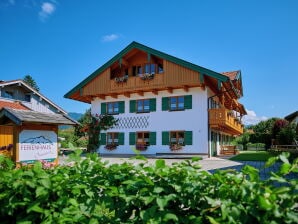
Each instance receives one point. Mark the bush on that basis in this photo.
(91, 191)
(256, 146)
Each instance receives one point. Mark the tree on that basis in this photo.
(31, 82)
(262, 132)
(243, 139)
(98, 123)
(287, 134)
(80, 130)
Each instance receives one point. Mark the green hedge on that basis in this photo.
(92, 191)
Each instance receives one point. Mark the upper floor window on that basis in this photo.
(159, 68)
(177, 103)
(143, 106)
(8, 94)
(113, 108)
(150, 68)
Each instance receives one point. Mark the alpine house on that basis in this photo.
(164, 105)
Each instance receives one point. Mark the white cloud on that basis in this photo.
(47, 9)
(251, 118)
(110, 37)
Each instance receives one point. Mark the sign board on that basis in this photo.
(37, 145)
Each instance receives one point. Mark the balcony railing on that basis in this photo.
(221, 119)
(137, 83)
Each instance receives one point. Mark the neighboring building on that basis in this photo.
(164, 105)
(293, 117)
(29, 123)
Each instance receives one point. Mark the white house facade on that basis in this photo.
(163, 104)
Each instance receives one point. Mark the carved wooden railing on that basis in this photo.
(221, 118)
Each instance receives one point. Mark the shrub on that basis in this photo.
(92, 191)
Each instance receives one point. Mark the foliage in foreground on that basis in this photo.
(91, 191)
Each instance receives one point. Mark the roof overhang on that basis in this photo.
(20, 117)
(134, 45)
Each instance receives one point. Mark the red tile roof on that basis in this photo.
(232, 75)
(13, 105)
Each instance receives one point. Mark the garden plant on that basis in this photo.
(88, 190)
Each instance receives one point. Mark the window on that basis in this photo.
(177, 103)
(8, 94)
(143, 106)
(113, 108)
(150, 68)
(112, 138)
(159, 68)
(177, 137)
(139, 70)
(27, 98)
(143, 138)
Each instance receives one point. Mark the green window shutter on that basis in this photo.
(132, 138)
(103, 138)
(152, 105)
(121, 138)
(165, 137)
(188, 138)
(132, 106)
(121, 107)
(188, 102)
(165, 103)
(152, 138)
(103, 108)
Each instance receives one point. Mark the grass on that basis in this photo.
(252, 156)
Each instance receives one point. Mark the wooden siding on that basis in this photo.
(176, 75)
(99, 85)
(173, 76)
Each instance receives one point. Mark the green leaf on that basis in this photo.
(158, 190)
(271, 161)
(46, 183)
(170, 216)
(35, 208)
(195, 159)
(160, 163)
(161, 202)
(40, 191)
(212, 220)
(285, 168)
(264, 203)
(284, 157)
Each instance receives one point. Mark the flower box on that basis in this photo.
(141, 147)
(111, 147)
(175, 147)
(121, 79)
(147, 76)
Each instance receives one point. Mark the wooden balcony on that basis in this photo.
(136, 83)
(220, 119)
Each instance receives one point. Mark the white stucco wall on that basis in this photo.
(195, 120)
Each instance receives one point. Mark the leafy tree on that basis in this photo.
(98, 123)
(262, 132)
(80, 130)
(287, 134)
(31, 82)
(243, 139)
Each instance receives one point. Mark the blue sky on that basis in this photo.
(61, 42)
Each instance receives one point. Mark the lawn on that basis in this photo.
(252, 156)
